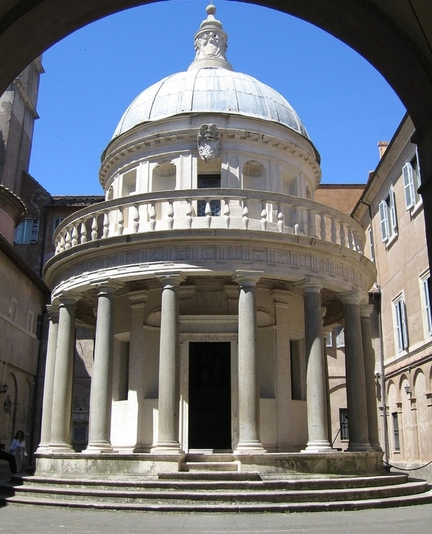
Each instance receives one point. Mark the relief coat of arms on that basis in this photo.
(208, 141)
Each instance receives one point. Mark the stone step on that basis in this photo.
(256, 495)
(186, 507)
(209, 466)
(207, 481)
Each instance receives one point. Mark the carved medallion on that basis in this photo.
(208, 141)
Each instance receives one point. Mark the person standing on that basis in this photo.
(17, 448)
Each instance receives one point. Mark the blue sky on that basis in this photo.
(94, 74)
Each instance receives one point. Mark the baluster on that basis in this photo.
(295, 220)
(333, 230)
(342, 234)
(280, 219)
(189, 212)
(310, 214)
(152, 216)
(208, 213)
(83, 232)
(120, 221)
(62, 243)
(170, 214)
(323, 229)
(74, 236)
(350, 239)
(263, 216)
(94, 228)
(105, 232)
(245, 215)
(67, 238)
(227, 213)
(136, 216)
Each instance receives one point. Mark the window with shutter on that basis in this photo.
(407, 173)
(400, 324)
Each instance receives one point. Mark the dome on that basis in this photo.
(211, 90)
(210, 86)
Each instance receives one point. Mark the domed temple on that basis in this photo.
(209, 274)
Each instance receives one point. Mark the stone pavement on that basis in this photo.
(38, 520)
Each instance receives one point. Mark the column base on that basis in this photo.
(360, 447)
(248, 447)
(376, 447)
(98, 448)
(315, 447)
(61, 448)
(167, 448)
(43, 448)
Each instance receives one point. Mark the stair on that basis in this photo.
(201, 490)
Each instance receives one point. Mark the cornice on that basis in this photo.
(12, 204)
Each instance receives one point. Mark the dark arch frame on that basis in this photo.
(395, 37)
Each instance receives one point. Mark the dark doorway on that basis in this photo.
(209, 396)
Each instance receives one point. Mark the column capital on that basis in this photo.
(170, 278)
(107, 285)
(68, 298)
(247, 278)
(310, 285)
(366, 310)
(351, 297)
(53, 312)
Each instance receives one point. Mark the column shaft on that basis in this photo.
(168, 402)
(101, 382)
(369, 363)
(63, 377)
(47, 403)
(355, 379)
(315, 374)
(248, 387)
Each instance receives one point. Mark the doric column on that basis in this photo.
(355, 375)
(315, 373)
(137, 301)
(249, 396)
(168, 401)
(60, 440)
(369, 363)
(47, 403)
(326, 333)
(101, 382)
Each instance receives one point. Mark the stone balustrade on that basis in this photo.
(237, 209)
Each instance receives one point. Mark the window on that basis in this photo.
(206, 181)
(388, 220)
(396, 440)
(344, 424)
(329, 340)
(13, 309)
(27, 232)
(340, 337)
(411, 178)
(371, 245)
(400, 324)
(425, 281)
(298, 372)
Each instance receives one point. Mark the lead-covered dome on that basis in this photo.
(210, 86)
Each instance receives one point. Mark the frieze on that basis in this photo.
(274, 261)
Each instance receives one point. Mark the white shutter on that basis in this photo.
(427, 305)
(408, 179)
(392, 209)
(398, 320)
(383, 211)
(404, 325)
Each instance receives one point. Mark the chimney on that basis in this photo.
(382, 147)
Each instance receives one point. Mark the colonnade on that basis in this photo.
(56, 422)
